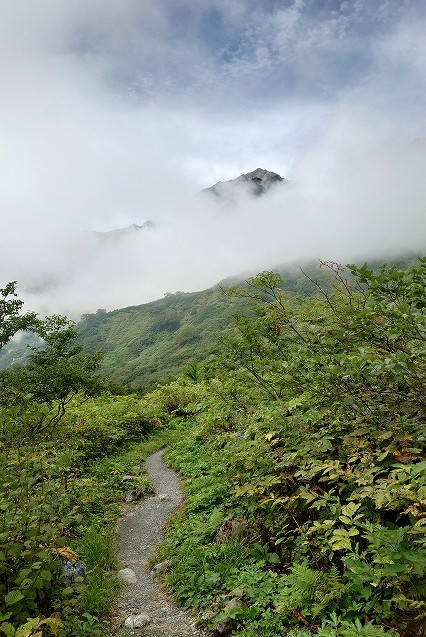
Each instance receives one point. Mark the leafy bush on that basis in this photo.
(33, 539)
(313, 435)
(58, 505)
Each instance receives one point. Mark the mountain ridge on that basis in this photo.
(258, 182)
(118, 233)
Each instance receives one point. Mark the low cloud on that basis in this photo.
(123, 111)
(343, 202)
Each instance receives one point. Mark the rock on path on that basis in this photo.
(139, 533)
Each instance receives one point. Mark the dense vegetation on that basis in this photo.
(154, 342)
(146, 344)
(306, 467)
(63, 452)
(302, 444)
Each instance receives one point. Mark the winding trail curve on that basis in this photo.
(139, 533)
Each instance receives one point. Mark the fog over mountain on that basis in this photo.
(118, 112)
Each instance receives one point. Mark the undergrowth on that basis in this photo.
(60, 502)
(305, 469)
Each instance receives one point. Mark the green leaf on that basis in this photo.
(274, 558)
(7, 629)
(13, 598)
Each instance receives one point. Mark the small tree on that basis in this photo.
(35, 395)
(11, 320)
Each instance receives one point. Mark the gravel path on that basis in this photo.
(139, 533)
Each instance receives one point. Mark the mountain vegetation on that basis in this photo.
(147, 344)
(301, 441)
(59, 485)
(306, 465)
(151, 343)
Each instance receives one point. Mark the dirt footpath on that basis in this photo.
(139, 533)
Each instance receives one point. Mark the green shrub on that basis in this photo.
(33, 541)
(313, 435)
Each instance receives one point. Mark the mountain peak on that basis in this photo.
(119, 233)
(258, 182)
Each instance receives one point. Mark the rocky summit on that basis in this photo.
(257, 182)
(120, 233)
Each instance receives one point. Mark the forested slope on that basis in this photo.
(153, 342)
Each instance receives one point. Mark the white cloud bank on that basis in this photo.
(115, 112)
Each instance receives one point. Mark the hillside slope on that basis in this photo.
(149, 343)
(153, 342)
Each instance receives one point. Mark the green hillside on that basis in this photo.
(305, 468)
(148, 343)
(153, 342)
(302, 449)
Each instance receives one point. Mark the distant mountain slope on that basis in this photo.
(119, 233)
(256, 183)
(154, 342)
(151, 343)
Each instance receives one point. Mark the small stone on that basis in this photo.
(163, 496)
(72, 570)
(161, 567)
(137, 621)
(127, 575)
(128, 478)
(133, 495)
(233, 603)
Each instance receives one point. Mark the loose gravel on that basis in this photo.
(140, 531)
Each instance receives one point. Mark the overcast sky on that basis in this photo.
(119, 111)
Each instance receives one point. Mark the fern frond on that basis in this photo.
(305, 581)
